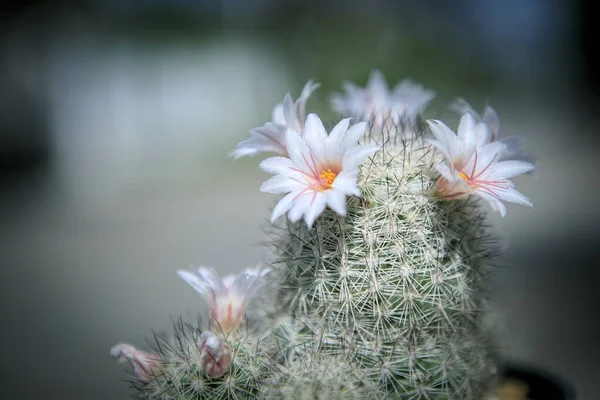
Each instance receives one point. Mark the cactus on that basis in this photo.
(381, 295)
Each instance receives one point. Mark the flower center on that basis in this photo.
(464, 176)
(327, 178)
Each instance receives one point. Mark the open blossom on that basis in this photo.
(321, 169)
(215, 355)
(472, 164)
(227, 297)
(271, 136)
(491, 120)
(377, 102)
(145, 365)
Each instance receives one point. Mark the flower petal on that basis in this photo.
(346, 183)
(284, 205)
(446, 138)
(490, 118)
(308, 89)
(282, 166)
(300, 153)
(277, 114)
(514, 196)
(354, 157)
(336, 199)
(301, 204)
(336, 138)
(315, 208)
(315, 136)
(509, 169)
(468, 135)
(280, 184)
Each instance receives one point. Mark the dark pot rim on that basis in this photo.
(544, 384)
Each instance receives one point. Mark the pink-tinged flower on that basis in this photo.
(321, 169)
(491, 120)
(145, 365)
(227, 297)
(472, 165)
(271, 136)
(377, 103)
(215, 355)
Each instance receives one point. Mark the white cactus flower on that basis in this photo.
(227, 297)
(215, 355)
(271, 136)
(472, 165)
(145, 365)
(490, 118)
(321, 169)
(377, 103)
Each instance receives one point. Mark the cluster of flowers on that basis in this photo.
(316, 169)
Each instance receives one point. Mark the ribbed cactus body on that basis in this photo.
(397, 282)
(321, 376)
(183, 375)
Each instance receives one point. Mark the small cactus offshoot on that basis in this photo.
(380, 262)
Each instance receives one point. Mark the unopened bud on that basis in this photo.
(145, 365)
(216, 355)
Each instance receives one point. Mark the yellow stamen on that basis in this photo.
(464, 176)
(327, 177)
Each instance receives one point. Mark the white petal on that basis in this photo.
(346, 183)
(509, 169)
(441, 148)
(468, 134)
(336, 199)
(377, 84)
(316, 207)
(203, 280)
(289, 113)
(242, 150)
(300, 206)
(194, 281)
(244, 288)
(356, 156)
(445, 171)
(308, 89)
(280, 184)
(262, 140)
(300, 153)
(461, 106)
(353, 136)
(281, 166)
(336, 138)
(514, 196)
(283, 206)
(277, 114)
(490, 118)
(482, 161)
(446, 137)
(483, 134)
(315, 136)
(495, 203)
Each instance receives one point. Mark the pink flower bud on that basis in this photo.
(145, 365)
(216, 355)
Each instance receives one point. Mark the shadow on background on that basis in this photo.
(116, 120)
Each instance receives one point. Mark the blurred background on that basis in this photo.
(116, 118)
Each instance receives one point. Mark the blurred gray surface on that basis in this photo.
(137, 184)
